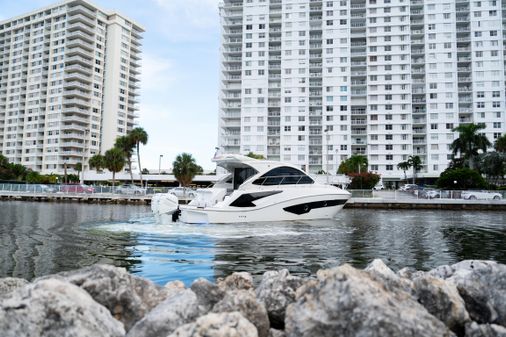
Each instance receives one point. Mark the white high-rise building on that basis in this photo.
(69, 77)
(313, 82)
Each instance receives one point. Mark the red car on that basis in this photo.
(77, 189)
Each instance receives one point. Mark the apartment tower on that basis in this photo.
(69, 77)
(313, 82)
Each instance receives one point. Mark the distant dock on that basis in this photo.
(355, 202)
(434, 204)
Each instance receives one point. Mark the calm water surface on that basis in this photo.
(43, 238)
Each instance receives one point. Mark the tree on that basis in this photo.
(493, 165)
(185, 168)
(355, 164)
(114, 160)
(461, 178)
(363, 180)
(416, 163)
(145, 171)
(126, 145)
(255, 156)
(97, 162)
(469, 142)
(139, 136)
(78, 167)
(500, 144)
(404, 166)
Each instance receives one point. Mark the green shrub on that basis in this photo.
(365, 181)
(461, 179)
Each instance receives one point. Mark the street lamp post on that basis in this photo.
(84, 156)
(326, 153)
(160, 164)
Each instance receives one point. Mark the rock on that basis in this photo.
(442, 300)
(482, 285)
(235, 281)
(276, 290)
(276, 333)
(174, 285)
(393, 282)
(409, 273)
(244, 301)
(127, 297)
(349, 302)
(10, 284)
(179, 308)
(485, 330)
(441, 272)
(208, 294)
(231, 324)
(54, 307)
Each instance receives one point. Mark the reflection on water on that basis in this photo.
(38, 239)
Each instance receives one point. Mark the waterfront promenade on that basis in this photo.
(360, 199)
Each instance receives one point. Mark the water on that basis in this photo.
(43, 238)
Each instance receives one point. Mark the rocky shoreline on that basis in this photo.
(465, 299)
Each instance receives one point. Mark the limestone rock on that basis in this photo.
(276, 333)
(181, 307)
(10, 284)
(393, 282)
(485, 330)
(53, 307)
(349, 302)
(442, 300)
(482, 285)
(208, 294)
(127, 297)
(238, 280)
(231, 324)
(174, 285)
(409, 273)
(276, 290)
(441, 272)
(244, 301)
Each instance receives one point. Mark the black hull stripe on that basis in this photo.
(307, 207)
(246, 200)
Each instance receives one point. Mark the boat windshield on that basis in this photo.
(284, 175)
(242, 174)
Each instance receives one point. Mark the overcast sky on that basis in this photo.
(180, 69)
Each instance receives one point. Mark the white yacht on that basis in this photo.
(254, 191)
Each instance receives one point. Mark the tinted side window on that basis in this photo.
(285, 176)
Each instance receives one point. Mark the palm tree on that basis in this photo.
(185, 168)
(139, 136)
(97, 162)
(126, 144)
(500, 144)
(416, 163)
(114, 160)
(470, 142)
(404, 166)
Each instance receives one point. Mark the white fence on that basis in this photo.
(430, 194)
(80, 189)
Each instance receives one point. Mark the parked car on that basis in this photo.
(433, 194)
(408, 187)
(77, 188)
(481, 195)
(379, 186)
(45, 189)
(183, 192)
(130, 189)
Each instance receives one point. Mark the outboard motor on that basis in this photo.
(176, 214)
(168, 204)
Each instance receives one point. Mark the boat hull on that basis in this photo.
(306, 208)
